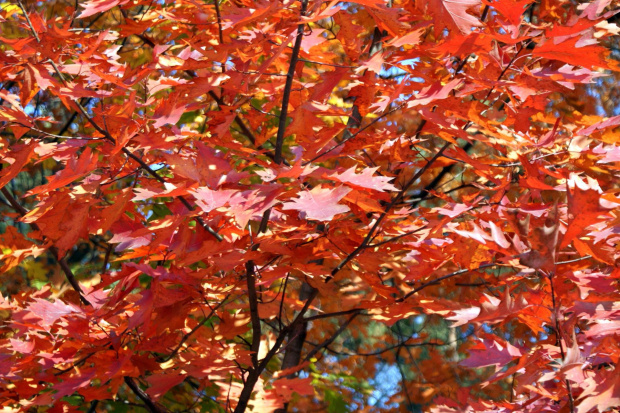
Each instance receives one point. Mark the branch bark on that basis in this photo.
(287, 88)
(150, 405)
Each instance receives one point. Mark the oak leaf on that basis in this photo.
(320, 203)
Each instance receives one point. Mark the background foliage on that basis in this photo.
(248, 205)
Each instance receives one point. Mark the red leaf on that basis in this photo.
(76, 168)
(584, 206)
(568, 52)
(511, 9)
(451, 14)
(490, 352)
(99, 6)
(49, 311)
(602, 393)
(365, 179)
(161, 383)
(17, 159)
(320, 203)
(24, 347)
(434, 92)
(285, 387)
(208, 200)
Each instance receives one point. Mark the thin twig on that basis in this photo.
(151, 406)
(385, 212)
(348, 138)
(440, 279)
(192, 331)
(406, 234)
(21, 6)
(334, 314)
(328, 64)
(331, 339)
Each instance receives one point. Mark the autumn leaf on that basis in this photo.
(365, 179)
(511, 10)
(584, 206)
(602, 392)
(568, 52)
(209, 200)
(320, 203)
(50, 312)
(489, 352)
(16, 159)
(451, 14)
(99, 6)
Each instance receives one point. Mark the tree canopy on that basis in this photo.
(307, 205)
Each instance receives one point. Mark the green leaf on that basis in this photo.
(335, 402)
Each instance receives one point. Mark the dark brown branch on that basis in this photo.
(331, 339)
(219, 21)
(287, 88)
(485, 12)
(403, 379)
(93, 404)
(106, 259)
(257, 369)
(255, 319)
(151, 406)
(255, 373)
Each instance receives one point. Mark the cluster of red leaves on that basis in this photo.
(265, 173)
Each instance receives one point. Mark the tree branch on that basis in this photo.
(385, 212)
(255, 318)
(332, 338)
(287, 88)
(151, 406)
